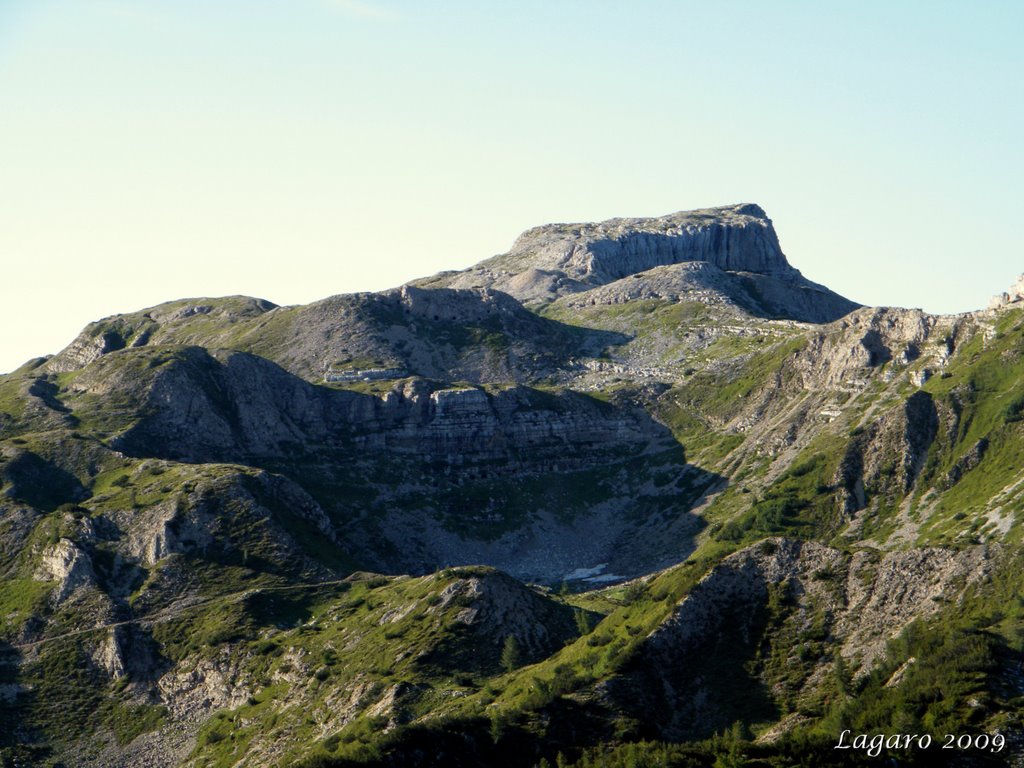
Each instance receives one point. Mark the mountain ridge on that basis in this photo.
(238, 534)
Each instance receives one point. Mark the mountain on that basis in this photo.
(633, 491)
(729, 254)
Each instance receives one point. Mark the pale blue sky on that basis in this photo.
(156, 149)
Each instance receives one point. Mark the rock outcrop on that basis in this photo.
(1014, 295)
(225, 407)
(559, 259)
(68, 566)
(736, 238)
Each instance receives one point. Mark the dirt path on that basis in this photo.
(172, 611)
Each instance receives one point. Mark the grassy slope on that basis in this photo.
(960, 652)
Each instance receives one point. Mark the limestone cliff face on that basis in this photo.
(230, 406)
(738, 238)
(68, 566)
(469, 424)
(843, 354)
(560, 259)
(83, 350)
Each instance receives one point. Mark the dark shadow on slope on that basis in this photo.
(144, 663)
(775, 298)
(878, 352)
(284, 607)
(698, 675)
(10, 711)
(758, 276)
(46, 391)
(39, 483)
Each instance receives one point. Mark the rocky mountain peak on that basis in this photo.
(737, 238)
(554, 260)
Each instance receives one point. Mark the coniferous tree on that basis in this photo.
(510, 654)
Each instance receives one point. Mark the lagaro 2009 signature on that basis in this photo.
(874, 743)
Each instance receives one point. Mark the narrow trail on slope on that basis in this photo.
(174, 610)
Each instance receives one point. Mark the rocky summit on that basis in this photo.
(733, 251)
(633, 493)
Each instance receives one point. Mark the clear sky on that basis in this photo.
(294, 149)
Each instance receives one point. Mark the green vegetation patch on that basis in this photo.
(20, 599)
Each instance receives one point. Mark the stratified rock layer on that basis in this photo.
(559, 259)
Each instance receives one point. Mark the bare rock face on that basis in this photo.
(83, 350)
(108, 655)
(67, 565)
(842, 355)
(192, 691)
(211, 514)
(881, 598)
(152, 535)
(563, 259)
(889, 453)
(225, 407)
(738, 238)
(1012, 296)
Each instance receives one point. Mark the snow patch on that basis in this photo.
(585, 573)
